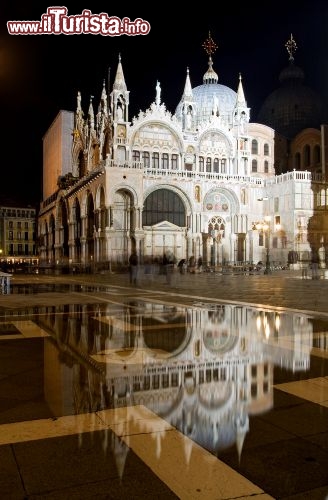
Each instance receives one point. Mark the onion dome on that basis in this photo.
(211, 98)
(293, 106)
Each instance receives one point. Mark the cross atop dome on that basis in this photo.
(209, 45)
(291, 47)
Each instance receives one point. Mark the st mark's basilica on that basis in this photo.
(201, 181)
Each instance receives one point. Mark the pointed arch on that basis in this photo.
(90, 227)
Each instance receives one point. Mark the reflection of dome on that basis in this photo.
(219, 339)
(293, 106)
(215, 394)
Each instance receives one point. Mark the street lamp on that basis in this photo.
(264, 226)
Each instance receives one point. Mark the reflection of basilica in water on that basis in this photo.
(202, 368)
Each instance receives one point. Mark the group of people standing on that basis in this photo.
(164, 266)
(310, 262)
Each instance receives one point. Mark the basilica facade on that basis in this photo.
(196, 182)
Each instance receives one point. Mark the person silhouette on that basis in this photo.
(133, 267)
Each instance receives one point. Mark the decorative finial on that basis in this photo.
(158, 93)
(291, 47)
(209, 45)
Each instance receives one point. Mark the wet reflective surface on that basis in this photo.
(216, 372)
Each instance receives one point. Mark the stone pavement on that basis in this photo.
(60, 456)
(283, 288)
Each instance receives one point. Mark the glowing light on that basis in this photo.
(209, 45)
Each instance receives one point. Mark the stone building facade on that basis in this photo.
(193, 183)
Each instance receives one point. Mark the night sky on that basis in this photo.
(41, 74)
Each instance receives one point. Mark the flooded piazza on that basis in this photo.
(222, 376)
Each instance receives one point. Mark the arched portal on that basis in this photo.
(164, 221)
(123, 223)
(52, 235)
(63, 225)
(77, 228)
(216, 231)
(89, 230)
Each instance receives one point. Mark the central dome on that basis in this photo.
(293, 106)
(212, 97)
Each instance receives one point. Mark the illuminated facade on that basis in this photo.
(17, 237)
(189, 183)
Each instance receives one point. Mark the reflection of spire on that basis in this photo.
(120, 452)
(242, 427)
(158, 438)
(188, 447)
(291, 47)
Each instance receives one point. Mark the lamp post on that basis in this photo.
(265, 227)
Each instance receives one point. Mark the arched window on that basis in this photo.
(135, 155)
(224, 166)
(322, 198)
(161, 205)
(297, 161)
(266, 149)
(174, 162)
(254, 165)
(216, 165)
(82, 164)
(216, 227)
(255, 148)
(146, 159)
(316, 154)
(155, 160)
(208, 164)
(306, 156)
(266, 166)
(165, 160)
(201, 164)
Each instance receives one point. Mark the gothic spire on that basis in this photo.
(103, 99)
(91, 113)
(187, 93)
(240, 93)
(119, 82)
